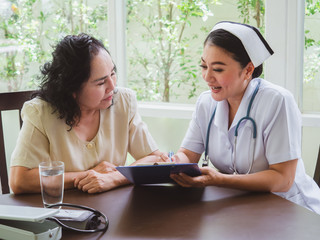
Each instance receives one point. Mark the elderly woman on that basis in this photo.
(79, 117)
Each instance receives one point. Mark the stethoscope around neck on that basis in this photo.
(254, 135)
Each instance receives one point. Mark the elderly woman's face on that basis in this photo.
(225, 77)
(97, 92)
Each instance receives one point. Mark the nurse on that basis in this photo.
(248, 128)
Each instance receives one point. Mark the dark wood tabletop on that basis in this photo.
(173, 212)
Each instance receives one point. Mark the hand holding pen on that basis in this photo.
(170, 154)
(167, 157)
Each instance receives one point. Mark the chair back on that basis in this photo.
(9, 101)
(316, 176)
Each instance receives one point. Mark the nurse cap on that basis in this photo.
(256, 46)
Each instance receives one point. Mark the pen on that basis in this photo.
(171, 153)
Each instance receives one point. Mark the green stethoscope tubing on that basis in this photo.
(247, 117)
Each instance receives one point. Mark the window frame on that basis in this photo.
(284, 32)
(117, 37)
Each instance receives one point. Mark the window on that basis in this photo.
(164, 43)
(311, 80)
(285, 31)
(311, 85)
(165, 40)
(28, 28)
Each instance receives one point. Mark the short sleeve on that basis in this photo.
(286, 119)
(32, 144)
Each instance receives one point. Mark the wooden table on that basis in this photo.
(173, 212)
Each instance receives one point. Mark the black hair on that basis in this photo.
(229, 42)
(65, 74)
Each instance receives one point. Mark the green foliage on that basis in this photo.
(31, 27)
(312, 65)
(252, 9)
(312, 7)
(312, 60)
(162, 64)
(161, 61)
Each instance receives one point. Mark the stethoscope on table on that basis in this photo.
(247, 117)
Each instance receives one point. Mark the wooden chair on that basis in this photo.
(9, 101)
(316, 175)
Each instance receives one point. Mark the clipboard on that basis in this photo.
(154, 174)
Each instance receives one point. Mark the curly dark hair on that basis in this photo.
(65, 74)
(233, 45)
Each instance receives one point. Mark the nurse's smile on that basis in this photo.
(216, 89)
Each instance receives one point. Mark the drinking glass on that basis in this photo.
(51, 182)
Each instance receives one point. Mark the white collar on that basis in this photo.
(221, 118)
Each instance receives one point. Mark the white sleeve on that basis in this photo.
(282, 135)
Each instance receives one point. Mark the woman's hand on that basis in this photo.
(94, 182)
(156, 156)
(105, 167)
(209, 176)
(97, 179)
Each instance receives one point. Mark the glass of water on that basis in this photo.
(51, 182)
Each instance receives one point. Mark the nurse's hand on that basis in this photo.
(209, 176)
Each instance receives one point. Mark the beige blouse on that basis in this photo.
(44, 135)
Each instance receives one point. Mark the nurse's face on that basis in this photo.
(225, 76)
(97, 92)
